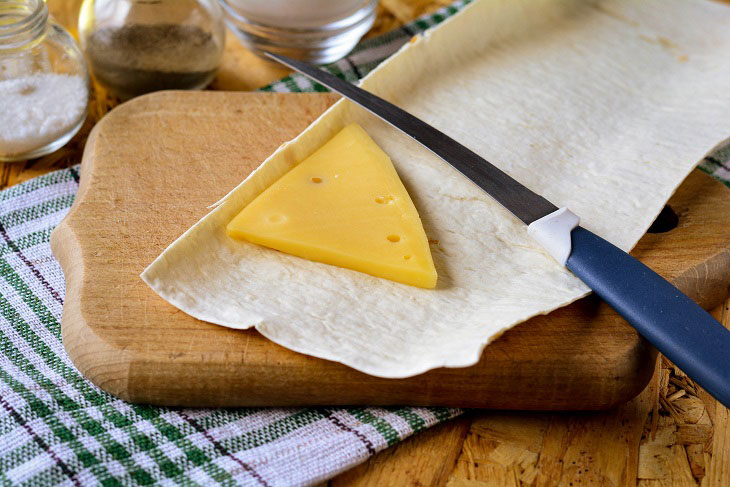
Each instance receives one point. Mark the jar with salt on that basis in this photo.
(318, 31)
(138, 46)
(44, 82)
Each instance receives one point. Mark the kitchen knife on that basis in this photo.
(680, 329)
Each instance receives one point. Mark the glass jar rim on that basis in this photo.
(28, 21)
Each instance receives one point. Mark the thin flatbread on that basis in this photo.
(601, 106)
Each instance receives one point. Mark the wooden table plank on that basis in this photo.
(427, 459)
(719, 468)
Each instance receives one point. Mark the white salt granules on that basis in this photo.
(39, 109)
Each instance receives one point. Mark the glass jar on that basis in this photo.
(318, 31)
(139, 46)
(44, 82)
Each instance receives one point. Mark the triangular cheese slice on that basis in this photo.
(343, 205)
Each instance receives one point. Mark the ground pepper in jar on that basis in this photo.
(135, 59)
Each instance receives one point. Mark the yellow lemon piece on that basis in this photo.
(344, 205)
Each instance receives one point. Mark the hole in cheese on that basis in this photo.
(316, 180)
(394, 238)
(276, 218)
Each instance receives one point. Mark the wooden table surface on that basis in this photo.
(673, 433)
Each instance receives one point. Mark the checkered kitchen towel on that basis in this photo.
(56, 428)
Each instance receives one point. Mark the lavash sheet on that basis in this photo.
(601, 106)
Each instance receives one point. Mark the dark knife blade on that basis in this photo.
(519, 200)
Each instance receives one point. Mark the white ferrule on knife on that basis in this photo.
(553, 232)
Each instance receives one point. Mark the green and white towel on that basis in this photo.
(56, 428)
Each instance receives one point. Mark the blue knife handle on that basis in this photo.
(685, 333)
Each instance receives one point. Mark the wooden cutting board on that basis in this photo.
(151, 168)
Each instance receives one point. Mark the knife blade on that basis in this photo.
(679, 328)
(519, 200)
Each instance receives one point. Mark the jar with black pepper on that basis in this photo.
(138, 46)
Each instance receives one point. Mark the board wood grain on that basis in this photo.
(153, 166)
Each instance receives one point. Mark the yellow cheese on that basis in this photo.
(343, 205)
